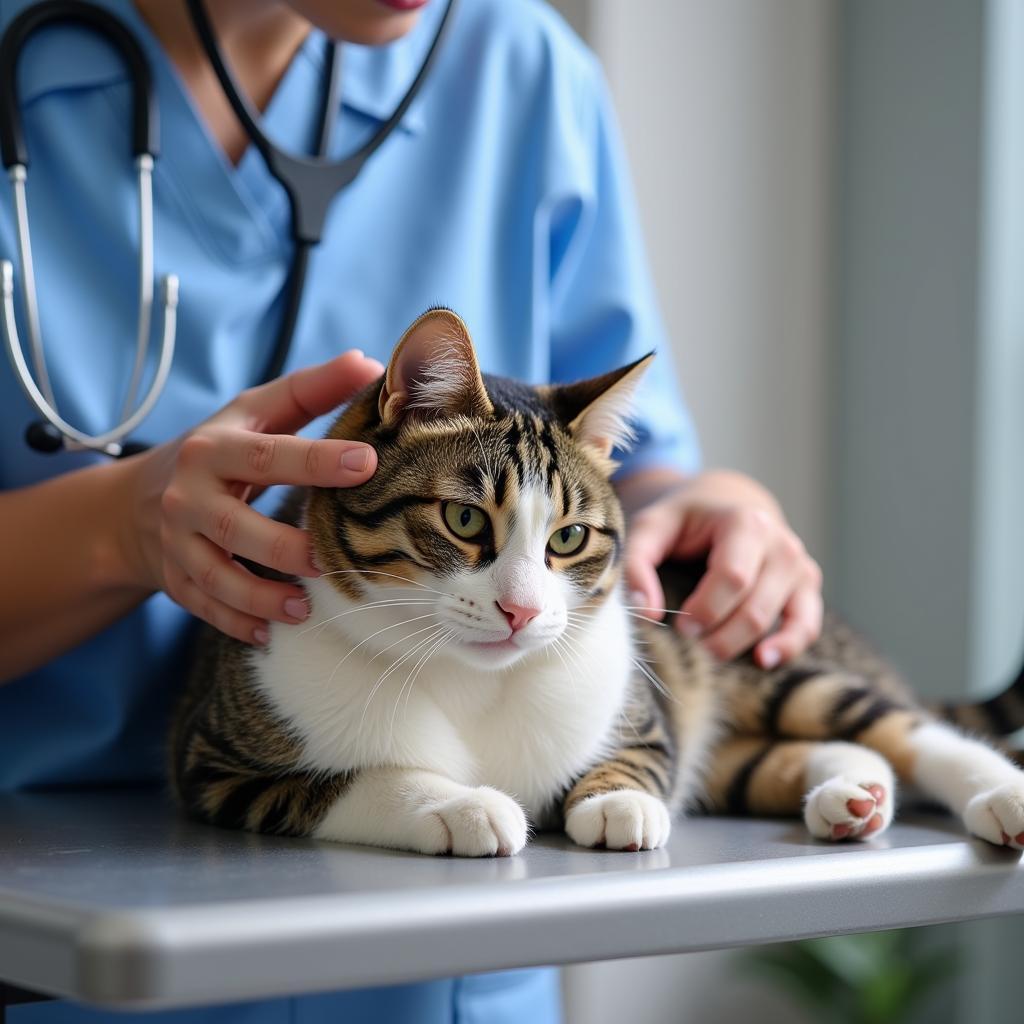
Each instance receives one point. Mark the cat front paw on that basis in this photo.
(481, 823)
(840, 809)
(625, 819)
(997, 815)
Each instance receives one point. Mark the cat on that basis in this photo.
(470, 667)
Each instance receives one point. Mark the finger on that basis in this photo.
(756, 613)
(210, 568)
(288, 403)
(246, 628)
(265, 459)
(645, 594)
(800, 627)
(650, 540)
(734, 565)
(236, 528)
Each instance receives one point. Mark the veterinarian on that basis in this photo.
(501, 192)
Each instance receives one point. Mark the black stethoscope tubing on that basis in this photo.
(310, 182)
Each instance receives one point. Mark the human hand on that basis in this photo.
(758, 571)
(187, 511)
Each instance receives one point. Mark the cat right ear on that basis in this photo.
(598, 411)
(433, 372)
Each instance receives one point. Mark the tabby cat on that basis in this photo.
(470, 666)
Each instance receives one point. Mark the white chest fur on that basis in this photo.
(527, 730)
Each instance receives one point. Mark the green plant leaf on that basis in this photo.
(796, 967)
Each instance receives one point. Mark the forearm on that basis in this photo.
(646, 485)
(62, 565)
(718, 486)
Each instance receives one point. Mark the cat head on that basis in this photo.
(491, 524)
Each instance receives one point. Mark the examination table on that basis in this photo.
(113, 899)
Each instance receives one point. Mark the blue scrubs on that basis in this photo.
(503, 194)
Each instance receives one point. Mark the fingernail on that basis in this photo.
(296, 608)
(770, 658)
(638, 599)
(356, 459)
(261, 637)
(690, 627)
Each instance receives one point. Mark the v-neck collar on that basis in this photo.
(374, 78)
(241, 210)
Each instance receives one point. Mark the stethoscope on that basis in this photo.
(311, 183)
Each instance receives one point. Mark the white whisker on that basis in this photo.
(655, 681)
(559, 646)
(383, 629)
(379, 572)
(394, 665)
(411, 678)
(367, 607)
(647, 619)
(646, 608)
(444, 640)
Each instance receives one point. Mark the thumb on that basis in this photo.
(287, 404)
(652, 536)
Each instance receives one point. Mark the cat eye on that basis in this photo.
(568, 540)
(465, 521)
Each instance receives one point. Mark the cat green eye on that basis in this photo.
(465, 521)
(568, 540)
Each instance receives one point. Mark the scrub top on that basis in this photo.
(502, 194)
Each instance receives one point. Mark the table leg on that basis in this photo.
(11, 995)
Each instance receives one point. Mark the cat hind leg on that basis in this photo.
(976, 782)
(968, 776)
(851, 792)
(843, 791)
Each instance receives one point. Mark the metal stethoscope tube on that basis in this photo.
(41, 394)
(310, 182)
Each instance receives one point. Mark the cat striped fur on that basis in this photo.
(470, 668)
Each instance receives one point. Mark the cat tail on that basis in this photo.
(1000, 715)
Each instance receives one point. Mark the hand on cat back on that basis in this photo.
(188, 511)
(761, 585)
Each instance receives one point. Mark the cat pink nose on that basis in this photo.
(518, 615)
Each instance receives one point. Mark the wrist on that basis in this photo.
(646, 486)
(118, 554)
(730, 488)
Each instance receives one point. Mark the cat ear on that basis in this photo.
(433, 372)
(598, 411)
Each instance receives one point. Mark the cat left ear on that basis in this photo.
(598, 411)
(433, 372)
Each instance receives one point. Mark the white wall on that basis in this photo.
(726, 109)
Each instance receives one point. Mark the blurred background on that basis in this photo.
(833, 198)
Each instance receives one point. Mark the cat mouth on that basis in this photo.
(508, 644)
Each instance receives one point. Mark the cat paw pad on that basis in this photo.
(840, 809)
(482, 823)
(623, 820)
(997, 815)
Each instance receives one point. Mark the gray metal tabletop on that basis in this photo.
(114, 899)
